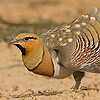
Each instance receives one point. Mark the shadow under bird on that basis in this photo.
(72, 48)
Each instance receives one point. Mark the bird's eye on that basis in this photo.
(26, 39)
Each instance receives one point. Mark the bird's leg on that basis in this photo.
(78, 77)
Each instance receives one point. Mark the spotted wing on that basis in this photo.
(78, 42)
(63, 34)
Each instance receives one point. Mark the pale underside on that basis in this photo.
(77, 45)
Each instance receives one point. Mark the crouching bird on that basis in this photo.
(67, 49)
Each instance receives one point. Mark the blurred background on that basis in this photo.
(37, 16)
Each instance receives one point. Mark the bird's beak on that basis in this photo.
(14, 41)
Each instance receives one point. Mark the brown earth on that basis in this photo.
(14, 77)
(15, 80)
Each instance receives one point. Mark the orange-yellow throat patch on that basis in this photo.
(46, 66)
(45, 62)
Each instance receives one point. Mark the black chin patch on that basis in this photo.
(22, 49)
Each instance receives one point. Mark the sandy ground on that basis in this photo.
(15, 79)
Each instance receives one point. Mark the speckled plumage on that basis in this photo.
(85, 33)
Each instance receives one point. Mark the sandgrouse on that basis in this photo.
(72, 48)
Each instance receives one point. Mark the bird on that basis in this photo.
(68, 49)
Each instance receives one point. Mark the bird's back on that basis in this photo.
(77, 45)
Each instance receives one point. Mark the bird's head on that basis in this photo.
(35, 55)
(27, 42)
